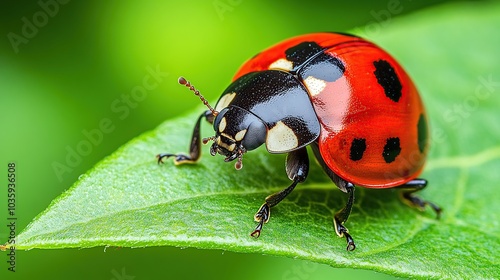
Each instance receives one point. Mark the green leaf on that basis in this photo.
(452, 54)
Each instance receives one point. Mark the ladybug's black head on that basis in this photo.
(236, 132)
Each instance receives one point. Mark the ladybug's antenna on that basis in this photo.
(185, 82)
(206, 140)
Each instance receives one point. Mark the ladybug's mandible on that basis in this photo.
(342, 95)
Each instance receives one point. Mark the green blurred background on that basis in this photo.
(65, 66)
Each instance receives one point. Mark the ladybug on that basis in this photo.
(343, 96)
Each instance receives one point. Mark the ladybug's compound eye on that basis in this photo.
(254, 136)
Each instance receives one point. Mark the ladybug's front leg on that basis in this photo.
(297, 167)
(194, 148)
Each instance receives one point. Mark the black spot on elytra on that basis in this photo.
(302, 52)
(358, 147)
(324, 67)
(388, 79)
(392, 149)
(309, 59)
(422, 133)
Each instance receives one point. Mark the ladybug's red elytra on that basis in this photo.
(345, 97)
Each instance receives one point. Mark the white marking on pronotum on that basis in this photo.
(239, 136)
(222, 124)
(224, 101)
(281, 138)
(282, 64)
(314, 85)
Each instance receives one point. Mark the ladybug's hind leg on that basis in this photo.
(409, 197)
(194, 148)
(297, 167)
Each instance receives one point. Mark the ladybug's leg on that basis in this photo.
(194, 148)
(297, 167)
(408, 196)
(341, 216)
